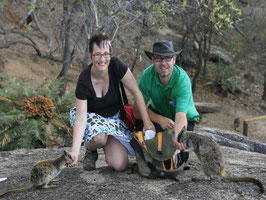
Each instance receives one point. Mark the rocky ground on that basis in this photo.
(104, 183)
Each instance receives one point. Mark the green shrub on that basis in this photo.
(223, 72)
(25, 113)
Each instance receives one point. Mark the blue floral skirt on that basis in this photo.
(97, 124)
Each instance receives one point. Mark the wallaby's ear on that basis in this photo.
(182, 133)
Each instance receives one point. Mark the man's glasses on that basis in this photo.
(98, 56)
(161, 58)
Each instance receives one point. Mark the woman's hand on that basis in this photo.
(74, 158)
(148, 125)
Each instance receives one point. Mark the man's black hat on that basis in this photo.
(162, 48)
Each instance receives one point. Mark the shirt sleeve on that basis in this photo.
(120, 67)
(82, 86)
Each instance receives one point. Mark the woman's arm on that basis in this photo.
(130, 83)
(78, 129)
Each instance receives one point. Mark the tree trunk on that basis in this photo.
(68, 35)
(144, 24)
(76, 42)
(183, 43)
(1, 11)
(88, 25)
(205, 70)
(196, 76)
(66, 5)
(264, 91)
(206, 53)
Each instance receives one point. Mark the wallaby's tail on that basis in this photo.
(243, 178)
(29, 184)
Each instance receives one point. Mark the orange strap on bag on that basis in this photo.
(159, 142)
(172, 165)
(139, 135)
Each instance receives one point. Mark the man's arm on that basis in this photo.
(180, 122)
(164, 122)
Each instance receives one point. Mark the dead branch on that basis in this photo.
(236, 27)
(94, 9)
(32, 44)
(116, 29)
(35, 19)
(73, 54)
(12, 43)
(32, 7)
(47, 38)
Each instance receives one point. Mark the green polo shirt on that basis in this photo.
(175, 97)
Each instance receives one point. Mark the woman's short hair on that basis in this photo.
(98, 39)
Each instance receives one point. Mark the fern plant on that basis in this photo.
(25, 113)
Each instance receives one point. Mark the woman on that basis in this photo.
(96, 114)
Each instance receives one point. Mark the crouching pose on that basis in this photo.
(96, 114)
(168, 89)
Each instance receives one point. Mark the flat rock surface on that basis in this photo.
(104, 183)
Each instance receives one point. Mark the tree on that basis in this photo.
(203, 20)
(74, 23)
(67, 41)
(255, 41)
(101, 16)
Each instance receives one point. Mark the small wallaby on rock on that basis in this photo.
(43, 172)
(236, 124)
(211, 157)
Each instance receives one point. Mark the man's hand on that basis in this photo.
(166, 123)
(180, 146)
(74, 158)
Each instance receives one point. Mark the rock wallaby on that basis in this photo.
(43, 172)
(211, 157)
(236, 124)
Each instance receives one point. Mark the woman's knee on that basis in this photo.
(100, 140)
(118, 165)
(115, 154)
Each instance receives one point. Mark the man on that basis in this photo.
(168, 88)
